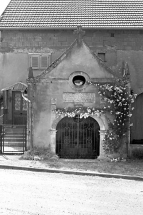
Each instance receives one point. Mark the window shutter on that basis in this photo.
(35, 62)
(44, 61)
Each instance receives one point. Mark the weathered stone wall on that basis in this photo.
(117, 45)
(16, 45)
(13, 68)
(41, 40)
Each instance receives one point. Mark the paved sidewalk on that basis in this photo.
(14, 162)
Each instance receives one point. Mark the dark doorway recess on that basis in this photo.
(137, 121)
(77, 138)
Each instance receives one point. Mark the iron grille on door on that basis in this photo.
(77, 138)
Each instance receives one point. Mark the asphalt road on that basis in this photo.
(30, 193)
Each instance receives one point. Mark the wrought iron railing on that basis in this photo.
(13, 139)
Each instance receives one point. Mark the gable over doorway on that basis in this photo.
(77, 138)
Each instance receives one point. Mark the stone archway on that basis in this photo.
(103, 126)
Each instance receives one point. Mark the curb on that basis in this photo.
(69, 172)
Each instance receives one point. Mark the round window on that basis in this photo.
(79, 80)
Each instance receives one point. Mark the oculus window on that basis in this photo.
(78, 80)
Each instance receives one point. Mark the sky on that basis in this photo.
(3, 4)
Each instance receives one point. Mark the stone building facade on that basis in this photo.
(56, 88)
(51, 54)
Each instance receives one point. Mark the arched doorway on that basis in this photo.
(137, 120)
(77, 138)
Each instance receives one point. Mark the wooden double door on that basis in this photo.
(77, 138)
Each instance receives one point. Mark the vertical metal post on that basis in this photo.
(77, 145)
(0, 143)
(3, 138)
(25, 137)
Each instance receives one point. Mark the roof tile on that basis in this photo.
(70, 13)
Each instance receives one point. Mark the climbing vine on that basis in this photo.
(118, 100)
(83, 112)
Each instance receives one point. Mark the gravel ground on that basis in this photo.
(30, 193)
(129, 167)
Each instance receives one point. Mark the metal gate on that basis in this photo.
(77, 138)
(12, 139)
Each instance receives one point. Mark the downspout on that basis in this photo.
(30, 107)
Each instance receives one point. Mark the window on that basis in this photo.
(79, 80)
(102, 56)
(44, 62)
(35, 61)
(112, 35)
(19, 103)
(39, 61)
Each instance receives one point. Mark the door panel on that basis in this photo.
(19, 109)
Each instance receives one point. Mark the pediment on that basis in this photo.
(19, 86)
(77, 58)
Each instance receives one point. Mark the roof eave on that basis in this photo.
(71, 28)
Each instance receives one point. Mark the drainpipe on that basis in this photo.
(30, 106)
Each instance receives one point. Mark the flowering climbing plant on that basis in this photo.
(83, 112)
(118, 99)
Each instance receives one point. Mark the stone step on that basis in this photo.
(14, 141)
(14, 130)
(14, 136)
(13, 144)
(17, 150)
(6, 133)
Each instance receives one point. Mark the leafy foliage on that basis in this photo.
(117, 104)
(118, 99)
(83, 112)
(111, 142)
(39, 153)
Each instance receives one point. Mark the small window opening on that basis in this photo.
(112, 34)
(79, 80)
